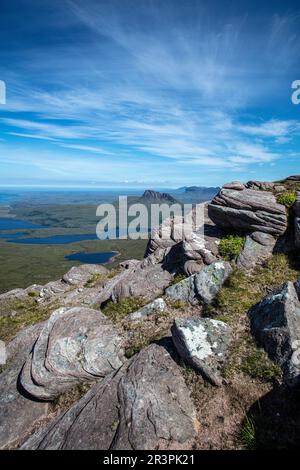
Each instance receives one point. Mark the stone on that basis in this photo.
(157, 306)
(275, 324)
(201, 287)
(18, 413)
(237, 185)
(296, 211)
(79, 275)
(258, 248)
(75, 345)
(248, 211)
(202, 343)
(144, 406)
(260, 185)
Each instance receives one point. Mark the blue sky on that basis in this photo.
(148, 92)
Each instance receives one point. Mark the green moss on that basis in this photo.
(177, 278)
(231, 246)
(257, 364)
(119, 310)
(287, 198)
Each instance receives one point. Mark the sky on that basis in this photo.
(150, 93)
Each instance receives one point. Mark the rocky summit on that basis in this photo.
(195, 346)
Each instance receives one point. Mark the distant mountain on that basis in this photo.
(152, 197)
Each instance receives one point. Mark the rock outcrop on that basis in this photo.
(258, 247)
(75, 345)
(247, 211)
(18, 413)
(201, 287)
(145, 405)
(275, 323)
(203, 343)
(296, 210)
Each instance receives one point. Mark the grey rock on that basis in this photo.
(258, 247)
(144, 406)
(157, 306)
(237, 185)
(248, 211)
(79, 275)
(279, 189)
(18, 414)
(275, 324)
(201, 287)
(260, 185)
(75, 345)
(203, 343)
(296, 211)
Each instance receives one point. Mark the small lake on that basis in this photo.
(53, 239)
(91, 258)
(15, 224)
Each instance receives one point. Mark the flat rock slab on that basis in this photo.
(75, 345)
(275, 324)
(18, 413)
(248, 211)
(201, 287)
(202, 343)
(157, 306)
(144, 406)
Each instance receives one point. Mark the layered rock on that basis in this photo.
(75, 345)
(201, 287)
(18, 413)
(247, 211)
(275, 323)
(296, 210)
(258, 247)
(145, 405)
(203, 343)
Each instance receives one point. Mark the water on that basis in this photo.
(15, 224)
(54, 239)
(91, 258)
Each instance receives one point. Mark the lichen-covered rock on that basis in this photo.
(258, 247)
(18, 413)
(79, 275)
(157, 306)
(144, 406)
(203, 286)
(275, 324)
(203, 343)
(248, 211)
(75, 345)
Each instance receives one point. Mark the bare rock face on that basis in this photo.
(258, 247)
(157, 306)
(248, 211)
(203, 343)
(260, 185)
(79, 275)
(75, 345)
(144, 406)
(296, 210)
(203, 286)
(275, 324)
(18, 413)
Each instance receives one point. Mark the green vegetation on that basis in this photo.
(256, 363)
(119, 310)
(248, 434)
(287, 198)
(178, 278)
(231, 246)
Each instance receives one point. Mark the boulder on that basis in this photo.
(144, 406)
(79, 275)
(18, 413)
(296, 210)
(248, 211)
(260, 185)
(157, 306)
(75, 345)
(237, 185)
(202, 343)
(258, 247)
(275, 324)
(203, 286)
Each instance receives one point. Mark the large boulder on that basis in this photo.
(296, 210)
(18, 413)
(201, 287)
(75, 345)
(258, 248)
(247, 211)
(79, 275)
(260, 185)
(146, 405)
(275, 323)
(203, 343)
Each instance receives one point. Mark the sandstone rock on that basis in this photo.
(260, 185)
(275, 323)
(293, 179)
(201, 287)
(279, 189)
(157, 306)
(258, 247)
(13, 294)
(203, 343)
(296, 210)
(75, 345)
(144, 406)
(18, 414)
(79, 275)
(248, 211)
(237, 185)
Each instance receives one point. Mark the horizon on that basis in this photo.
(148, 95)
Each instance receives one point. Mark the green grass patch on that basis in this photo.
(178, 278)
(248, 434)
(287, 198)
(231, 246)
(119, 310)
